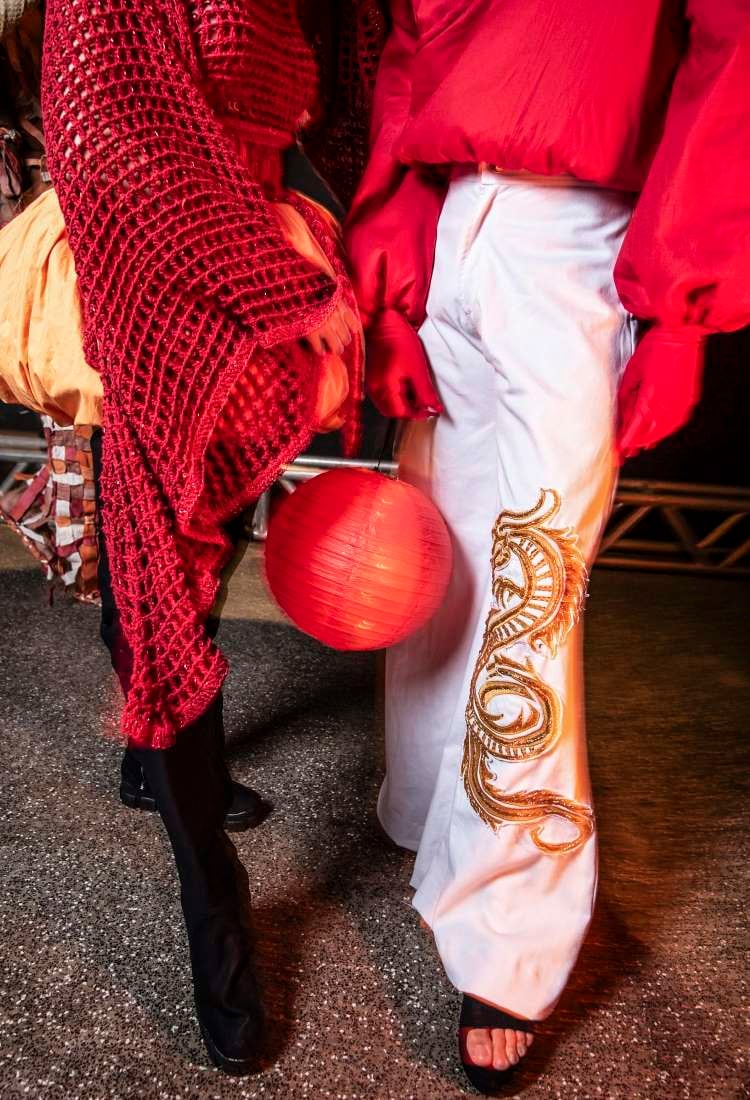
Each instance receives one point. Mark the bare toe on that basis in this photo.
(500, 1058)
(513, 1048)
(478, 1046)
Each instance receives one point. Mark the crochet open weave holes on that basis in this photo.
(193, 300)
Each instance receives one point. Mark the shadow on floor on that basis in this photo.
(95, 1000)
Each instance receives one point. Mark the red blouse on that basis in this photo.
(651, 96)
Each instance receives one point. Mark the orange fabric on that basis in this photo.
(333, 388)
(42, 365)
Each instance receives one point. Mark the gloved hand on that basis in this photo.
(660, 387)
(398, 376)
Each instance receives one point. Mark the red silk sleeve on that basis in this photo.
(392, 227)
(685, 261)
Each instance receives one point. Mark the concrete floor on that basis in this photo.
(95, 1000)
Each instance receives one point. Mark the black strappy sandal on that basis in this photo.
(476, 1014)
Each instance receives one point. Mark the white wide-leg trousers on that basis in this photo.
(487, 774)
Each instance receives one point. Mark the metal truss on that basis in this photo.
(679, 528)
(26, 450)
(303, 469)
(660, 526)
(655, 525)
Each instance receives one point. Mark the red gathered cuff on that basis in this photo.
(678, 334)
(390, 334)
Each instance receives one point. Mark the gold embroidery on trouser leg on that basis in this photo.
(540, 606)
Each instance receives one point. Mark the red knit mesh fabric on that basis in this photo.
(251, 57)
(193, 302)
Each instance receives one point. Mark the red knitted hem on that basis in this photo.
(144, 727)
(140, 730)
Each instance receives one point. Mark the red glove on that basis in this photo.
(398, 376)
(660, 387)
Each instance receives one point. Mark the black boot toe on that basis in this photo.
(236, 1053)
(134, 789)
(247, 809)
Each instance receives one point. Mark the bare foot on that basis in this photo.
(498, 1048)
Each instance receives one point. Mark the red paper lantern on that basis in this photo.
(358, 560)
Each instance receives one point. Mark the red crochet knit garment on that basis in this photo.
(163, 118)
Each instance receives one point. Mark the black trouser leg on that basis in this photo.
(192, 788)
(189, 783)
(247, 807)
(112, 636)
(134, 791)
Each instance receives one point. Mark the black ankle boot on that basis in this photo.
(134, 790)
(189, 783)
(247, 808)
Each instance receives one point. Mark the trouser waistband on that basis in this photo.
(504, 175)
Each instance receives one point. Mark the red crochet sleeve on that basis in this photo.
(192, 305)
(149, 186)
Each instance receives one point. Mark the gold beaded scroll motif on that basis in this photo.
(539, 604)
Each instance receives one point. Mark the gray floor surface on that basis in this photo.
(95, 999)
